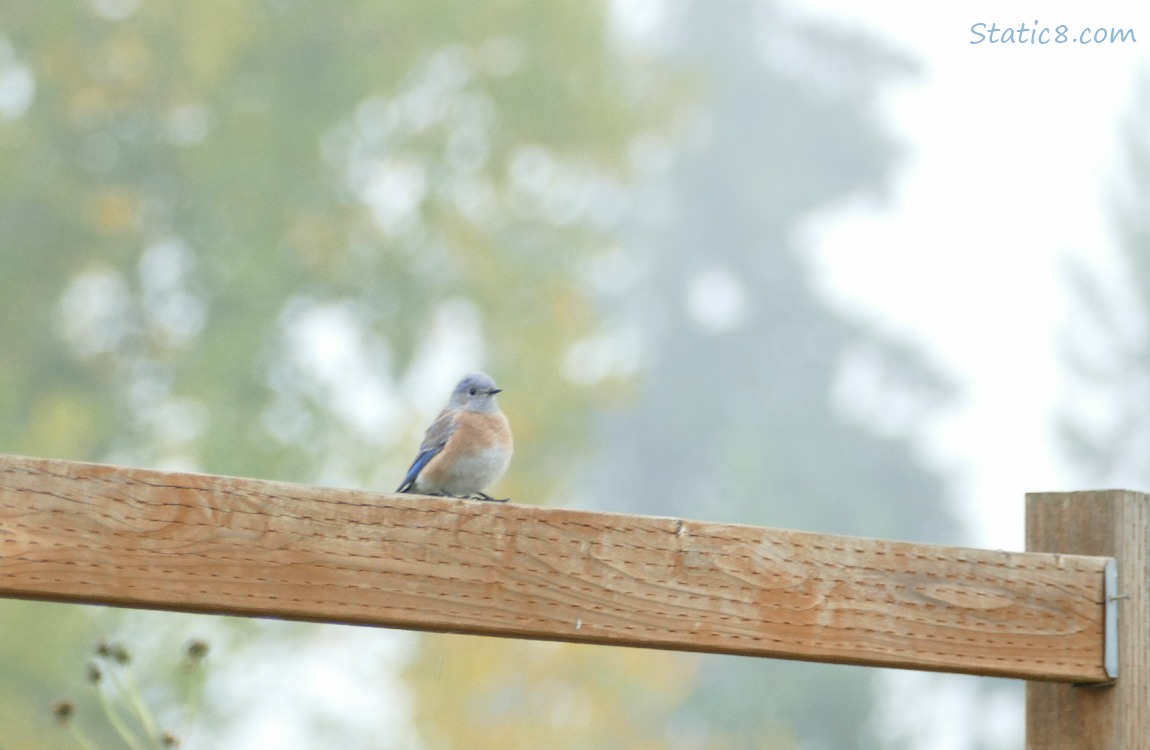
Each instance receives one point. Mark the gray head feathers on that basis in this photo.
(475, 392)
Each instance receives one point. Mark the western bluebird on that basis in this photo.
(466, 448)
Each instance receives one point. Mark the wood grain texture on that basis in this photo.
(129, 537)
(1111, 717)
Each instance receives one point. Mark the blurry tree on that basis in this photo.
(1105, 425)
(264, 238)
(247, 223)
(759, 402)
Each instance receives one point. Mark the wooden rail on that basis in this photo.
(98, 534)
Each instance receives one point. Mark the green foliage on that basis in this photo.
(193, 181)
(262, 237)
(481, 692)
(41, 647)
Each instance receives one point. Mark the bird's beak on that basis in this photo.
(493, 391)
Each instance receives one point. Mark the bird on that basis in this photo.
(467, 448)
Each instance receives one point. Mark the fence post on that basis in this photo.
(1110, 523)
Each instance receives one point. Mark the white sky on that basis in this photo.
(1011, 150)
(1012, 153)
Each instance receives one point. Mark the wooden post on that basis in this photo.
(1114, 523)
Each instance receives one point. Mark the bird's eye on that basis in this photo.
(471, 391)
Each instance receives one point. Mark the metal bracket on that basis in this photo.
(1110, 642)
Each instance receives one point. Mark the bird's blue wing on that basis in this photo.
(417, 466)
(433, 442)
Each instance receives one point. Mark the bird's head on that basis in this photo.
(476, 392)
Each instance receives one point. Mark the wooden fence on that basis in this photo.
(1070, 615)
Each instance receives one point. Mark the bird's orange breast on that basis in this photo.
(476, 456)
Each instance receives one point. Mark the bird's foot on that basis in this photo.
(489, 498)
